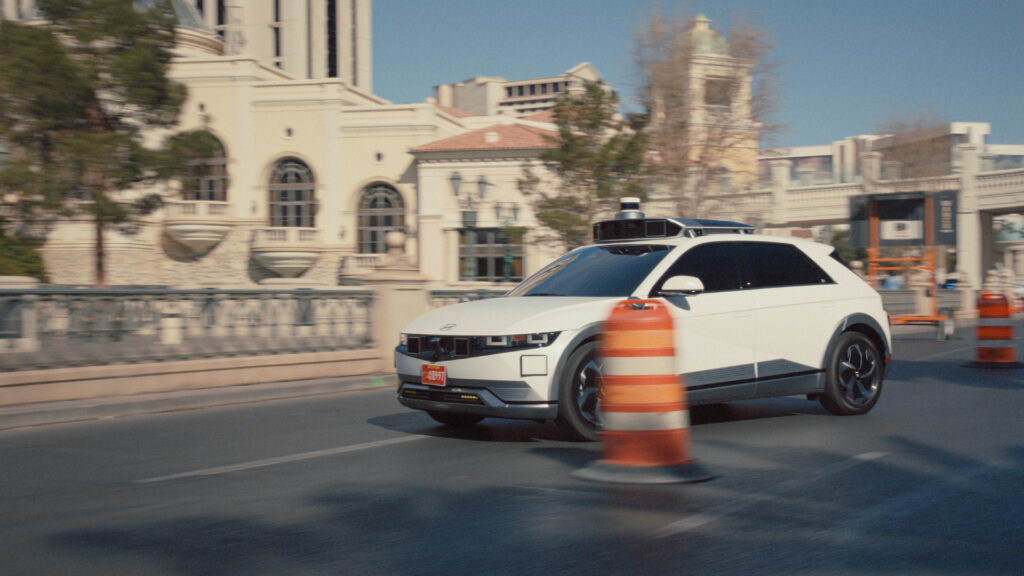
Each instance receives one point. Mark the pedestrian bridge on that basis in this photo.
(982, 195)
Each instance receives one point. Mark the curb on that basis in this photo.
(71, 411)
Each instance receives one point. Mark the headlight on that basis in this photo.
(403, 339)
(537, 340)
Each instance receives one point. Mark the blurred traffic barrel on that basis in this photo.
(646, 420)
(996, 347)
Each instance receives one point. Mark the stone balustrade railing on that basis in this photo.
(53, 327)
(44, 328)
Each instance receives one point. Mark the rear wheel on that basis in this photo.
(854, 375)
(452, 419)
(579, 405)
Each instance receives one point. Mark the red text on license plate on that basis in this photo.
(433, 375)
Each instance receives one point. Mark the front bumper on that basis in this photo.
(516, 384)
(471, 400)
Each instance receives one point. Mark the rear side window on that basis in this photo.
(773, 265)
(717, 265)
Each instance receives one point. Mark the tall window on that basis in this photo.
(207, 177)
(381, 210)
(491, 254)
(292, 201)
(275, 30)
(222, 18)
(332, 39)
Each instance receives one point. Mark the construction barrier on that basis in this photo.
(996, 346)
(646, 433)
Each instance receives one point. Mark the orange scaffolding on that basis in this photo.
(926, 262)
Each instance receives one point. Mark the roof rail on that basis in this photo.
(617, 230)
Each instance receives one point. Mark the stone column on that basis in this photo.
(968, 236)
(401, 296)
(780, 188)
(871, 170)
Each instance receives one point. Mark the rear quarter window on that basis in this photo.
(773, 265)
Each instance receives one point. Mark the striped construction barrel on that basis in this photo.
(646, 421)
(996, 347)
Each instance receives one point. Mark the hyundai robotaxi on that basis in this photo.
(754, 316)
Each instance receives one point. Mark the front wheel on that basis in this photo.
(853, 378)
(579, 404)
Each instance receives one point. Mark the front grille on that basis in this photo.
(434, 348)
(437, 348)
(450, 396)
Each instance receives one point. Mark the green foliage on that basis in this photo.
(841, 242)
(597, 160)
(19, 257)
(75, 99)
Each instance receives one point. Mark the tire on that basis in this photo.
(579, 405)
(454, 419)
(853, 377)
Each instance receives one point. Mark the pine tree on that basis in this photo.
(77, 96)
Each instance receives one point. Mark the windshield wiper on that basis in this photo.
(543, 294)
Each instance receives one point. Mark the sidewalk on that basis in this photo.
(46, 413)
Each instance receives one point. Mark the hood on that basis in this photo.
(517, 315)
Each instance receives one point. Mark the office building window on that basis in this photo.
(292, 200)
(555, 87)
(491, 254)
(381, 210)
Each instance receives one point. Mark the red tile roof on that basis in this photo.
(454, 111)
(497, 137)
(545, 116)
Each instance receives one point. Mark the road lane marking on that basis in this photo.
(943, 353)
(695, 521)
(282, 459)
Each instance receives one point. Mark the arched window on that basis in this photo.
(381, 210)
(207, 176)
(292, 202)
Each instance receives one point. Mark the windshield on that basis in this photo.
(595, 271)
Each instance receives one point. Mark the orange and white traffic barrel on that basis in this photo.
(996, 346)
(646, 421)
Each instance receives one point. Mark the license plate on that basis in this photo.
(433, 375)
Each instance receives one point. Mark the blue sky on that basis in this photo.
(845, 66)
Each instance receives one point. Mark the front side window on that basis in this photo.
(603, 271)
(381, 210)
(716, 265)
(292, 201)
(491, 254)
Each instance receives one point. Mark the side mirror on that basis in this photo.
(682, 286)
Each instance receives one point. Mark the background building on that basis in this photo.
(325, 39)
(490, 96)
(313, 171)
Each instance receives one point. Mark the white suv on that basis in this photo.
(754, 316)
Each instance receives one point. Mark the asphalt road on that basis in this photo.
(930, 482)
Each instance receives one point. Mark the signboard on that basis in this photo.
(945, 206)
(901, 219)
